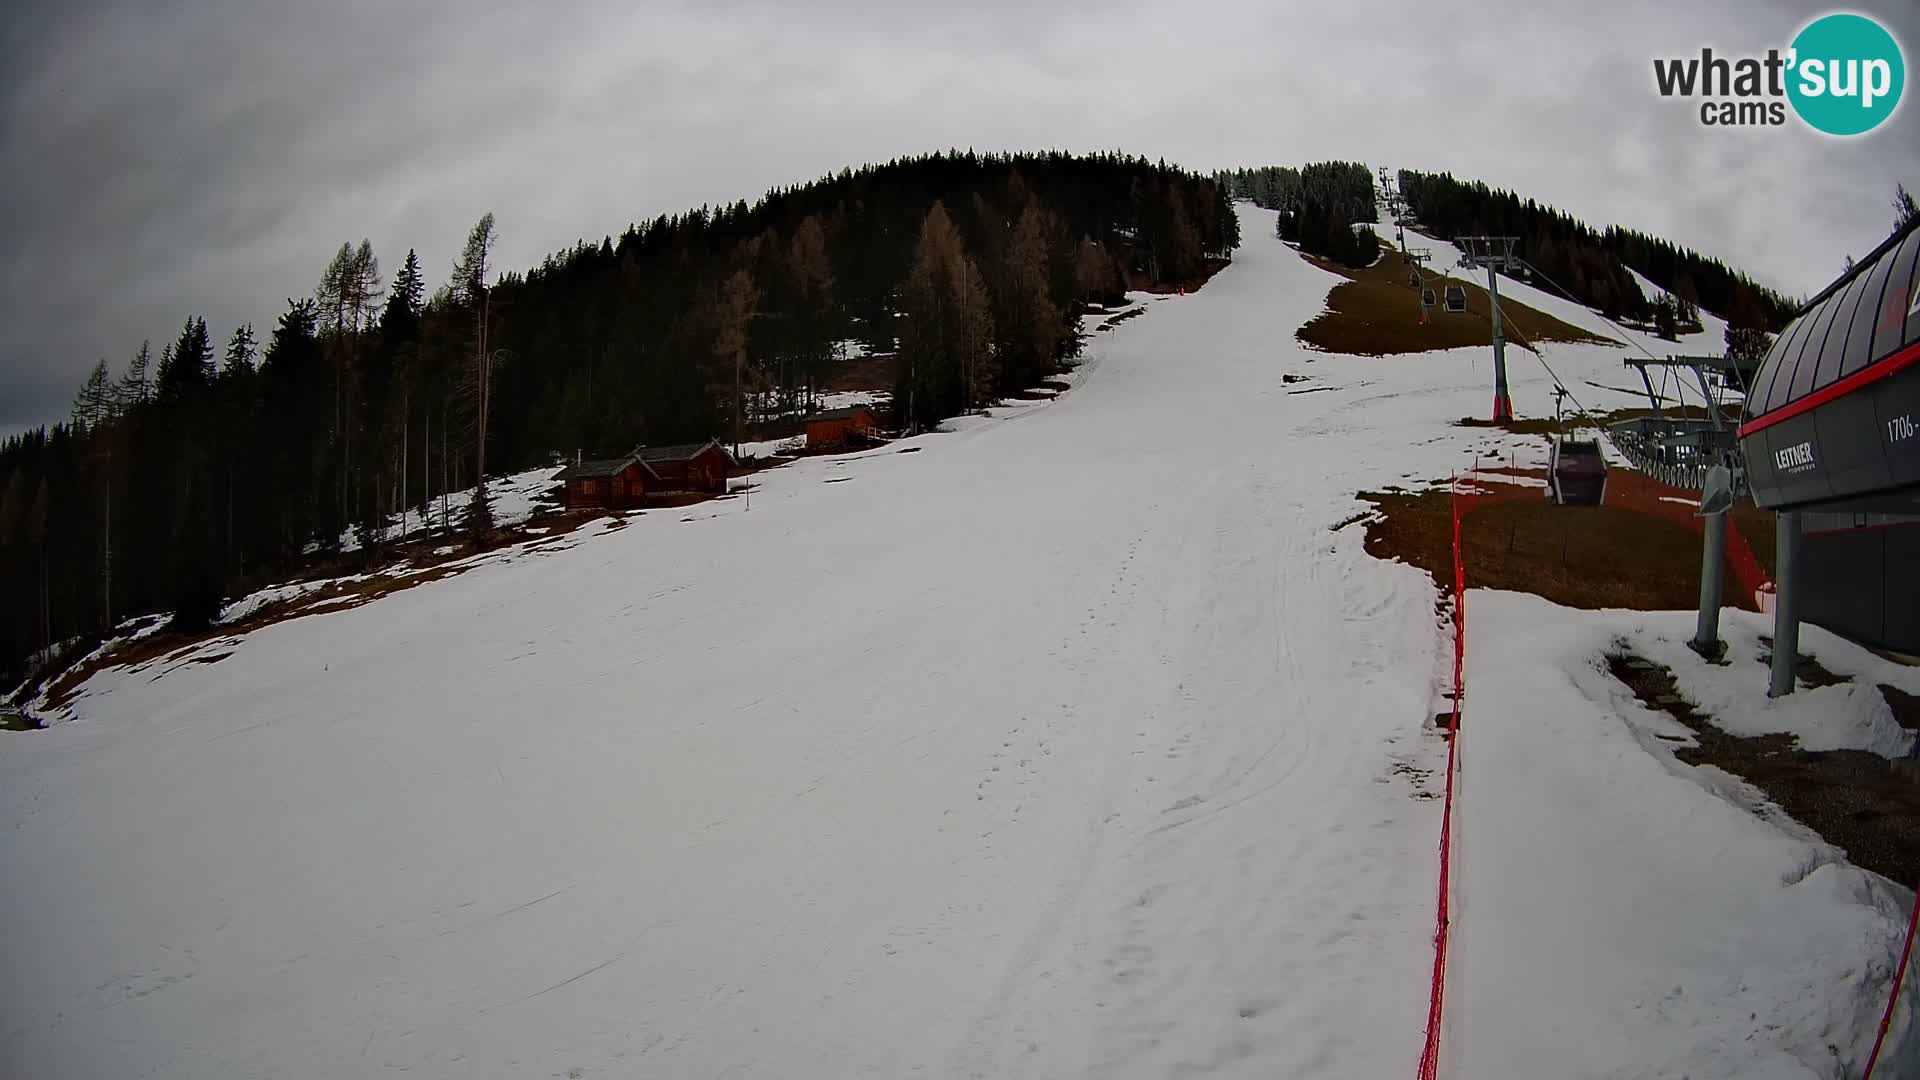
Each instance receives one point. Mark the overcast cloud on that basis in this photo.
(180, 157)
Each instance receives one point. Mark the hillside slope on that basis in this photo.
(1079, 740)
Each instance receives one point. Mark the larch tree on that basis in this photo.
(739, 302)
(945, 363)
(1031, 326)
(469, 289)
(811, 265)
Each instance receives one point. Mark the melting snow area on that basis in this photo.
(512, 499)
(1072, 740)
(1624, 914)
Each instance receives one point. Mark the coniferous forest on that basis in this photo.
(1318, 206)
(224, 458)
(1592, 265)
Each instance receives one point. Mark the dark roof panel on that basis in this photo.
(1858, 351)
(1829, 425)
(1829, 348)
(1836, 346)
(595, 470)
(1815, 347)
(679, 452)
(1770, 386)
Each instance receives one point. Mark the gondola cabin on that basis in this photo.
(1456, 299)
(1577, 472)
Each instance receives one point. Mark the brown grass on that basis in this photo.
(1375, 312)
(1577, 556)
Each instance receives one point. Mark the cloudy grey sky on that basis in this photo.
(173, 157)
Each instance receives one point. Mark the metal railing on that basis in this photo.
(1678, 452)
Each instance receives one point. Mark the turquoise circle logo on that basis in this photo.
(1847, 74)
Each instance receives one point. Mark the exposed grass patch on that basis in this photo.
(1518, 426)
(1855, 800)
(1376, 312)
(1576, 556)
(1574, 422)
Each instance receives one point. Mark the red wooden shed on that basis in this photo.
(687, 467)
(610, 483)
(838, 427)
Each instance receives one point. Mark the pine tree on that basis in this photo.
(240, 350)
(1666, 319)
(93, 407)
(409, 288)
(1905, 209)
(133, 385)
(186, 366)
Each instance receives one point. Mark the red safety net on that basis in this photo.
(1899, 975)
(1436, 1001)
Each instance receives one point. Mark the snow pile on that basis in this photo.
(1619, 915)
(1850, 716)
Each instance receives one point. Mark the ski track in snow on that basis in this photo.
(1076, 743)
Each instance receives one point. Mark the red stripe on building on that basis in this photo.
(1866, 376)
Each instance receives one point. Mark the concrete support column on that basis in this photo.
(1713, 568)
(1786, 602)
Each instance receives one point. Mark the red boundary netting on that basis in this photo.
(1899, 975)
(1747, 574)
(1429, 1067)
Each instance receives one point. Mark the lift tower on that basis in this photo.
(1495, 253)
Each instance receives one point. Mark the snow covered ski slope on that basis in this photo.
(1077, 741)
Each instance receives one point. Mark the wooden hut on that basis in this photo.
(839, 427)
(687, 467)
(608, 484)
